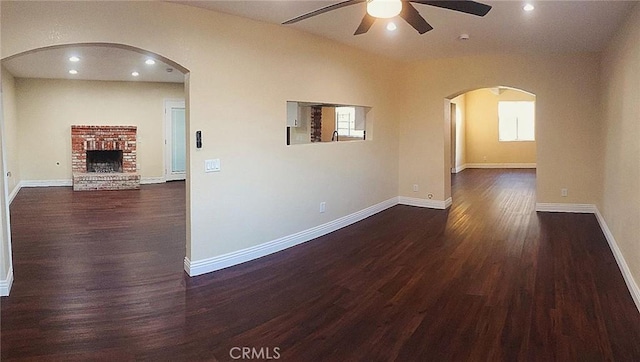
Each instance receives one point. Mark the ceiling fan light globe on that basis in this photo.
(384, 9)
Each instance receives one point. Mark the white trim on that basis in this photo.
(152, 180)
(15, 191)
(634, 290)
(575, 208)
(5, 285)
(170, 103)
(46, 183)
(57, 183)
(622, 263)
(198, 267)
(432, 204)
(5, 228)
(500, 165)
(459, 168)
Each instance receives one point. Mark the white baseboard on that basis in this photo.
(152, 180)
(432, 204)
(575, 208)
(15, 191)
(199, 267)
(37, 183)
(55, 183)
(46, 183)
(499, 165)
(459, 168)
(622, 263)
(203, 266)
(634, 290)
(69, 182)
(5, 285)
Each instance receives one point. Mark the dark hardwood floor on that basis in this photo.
(98, 276)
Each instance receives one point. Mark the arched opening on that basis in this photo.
(490, 128)
(99, 85)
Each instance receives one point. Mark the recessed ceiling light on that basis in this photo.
(74, 59)
(528, 7)
(391, 26)
(135, 74)
(73, 71)
(463, 37)
(150, 62)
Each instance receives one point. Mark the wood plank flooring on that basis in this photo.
(98, 276)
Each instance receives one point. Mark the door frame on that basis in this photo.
(168, 105)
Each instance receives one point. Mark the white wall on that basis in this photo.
(620, 205)
(241, 74)
(49, 107)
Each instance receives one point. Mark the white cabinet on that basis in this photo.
(360, 118)
(292, 114)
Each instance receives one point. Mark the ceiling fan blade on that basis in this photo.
(365, 24)
(464, 6)
(413, 17)
(322, 11)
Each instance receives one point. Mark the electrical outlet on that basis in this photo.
(323, 206)
(564, 192)
(415, 188)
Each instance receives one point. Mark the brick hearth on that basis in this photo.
(104, 138)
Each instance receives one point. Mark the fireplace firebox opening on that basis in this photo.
(104, 161)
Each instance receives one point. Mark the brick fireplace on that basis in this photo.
(104, 158)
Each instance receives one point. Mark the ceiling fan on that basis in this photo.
(385, 9)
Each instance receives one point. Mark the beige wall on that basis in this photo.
(459, 134)
(620, 205)
(482, 129)
(567, 103)
(231, 62)
(48, 108)
(241, 74)
(10, 131)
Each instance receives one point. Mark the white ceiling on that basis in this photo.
(553, 27)
(97, 62)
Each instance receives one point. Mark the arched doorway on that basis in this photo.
(112, 71)
(490, 128)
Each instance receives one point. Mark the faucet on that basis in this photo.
(335, 136)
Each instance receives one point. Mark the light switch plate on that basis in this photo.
(212, 165)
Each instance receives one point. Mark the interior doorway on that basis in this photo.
(491, 128)
(175, 140)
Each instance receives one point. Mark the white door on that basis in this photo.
(175, 140)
